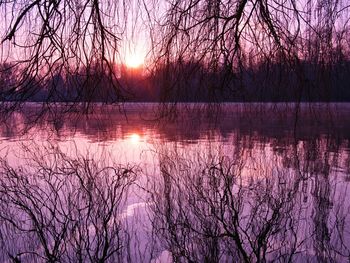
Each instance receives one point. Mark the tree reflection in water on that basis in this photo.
(246, 190)
(56, 208)
(244, 206)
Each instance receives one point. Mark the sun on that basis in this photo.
(134, 61)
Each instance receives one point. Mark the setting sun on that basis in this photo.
(134, 61)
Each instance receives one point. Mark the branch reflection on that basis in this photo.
(57, 208)
(252, 204)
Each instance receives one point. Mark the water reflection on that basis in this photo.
(134, 138)
(54, 208)
(243, 188)
(252, 205)
(110, 124)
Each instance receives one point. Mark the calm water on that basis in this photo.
(239, 183)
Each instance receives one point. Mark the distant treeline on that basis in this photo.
(198, 51)
(183, 81)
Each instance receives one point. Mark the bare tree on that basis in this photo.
(202, 50)
(73, 40)
(294, 45)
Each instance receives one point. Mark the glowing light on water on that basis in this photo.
(134, 138)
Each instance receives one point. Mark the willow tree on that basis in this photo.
(250, 46)
(67, 50)
(47, 43)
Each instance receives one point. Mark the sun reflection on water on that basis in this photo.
(134, 138)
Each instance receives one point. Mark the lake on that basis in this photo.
(188, 183)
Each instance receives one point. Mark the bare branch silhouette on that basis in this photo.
(63, 209)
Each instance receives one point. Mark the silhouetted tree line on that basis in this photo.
(267, 81)
(258, 50)
(233, 50)
(88, 85)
